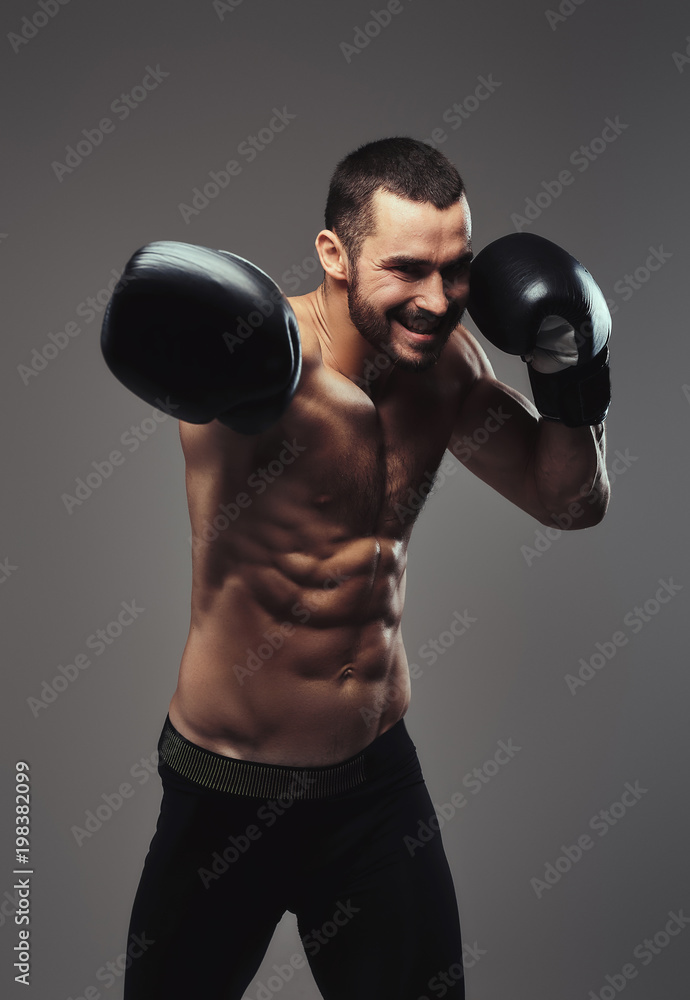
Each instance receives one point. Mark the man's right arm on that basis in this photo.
(203, 334)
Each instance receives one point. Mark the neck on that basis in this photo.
(343, 347)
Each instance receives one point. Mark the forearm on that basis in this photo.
(530, 297)
(570, 473)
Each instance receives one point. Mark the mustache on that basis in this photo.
(451, 317)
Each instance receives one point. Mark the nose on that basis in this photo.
(431, 295)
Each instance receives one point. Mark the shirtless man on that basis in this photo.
(289, 779)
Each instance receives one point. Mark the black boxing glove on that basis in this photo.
(203, 334)
(530, 297)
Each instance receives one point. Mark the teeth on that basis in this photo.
(414, 329)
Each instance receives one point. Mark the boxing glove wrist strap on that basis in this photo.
(577, 396)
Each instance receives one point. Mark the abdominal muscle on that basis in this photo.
(295, 660)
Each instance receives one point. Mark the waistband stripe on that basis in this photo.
(244, 777)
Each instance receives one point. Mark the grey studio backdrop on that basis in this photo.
(569, 849)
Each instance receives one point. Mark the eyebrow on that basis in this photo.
(406, 260)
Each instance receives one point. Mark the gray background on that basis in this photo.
(536, 615)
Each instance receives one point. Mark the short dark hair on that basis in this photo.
(404, 166)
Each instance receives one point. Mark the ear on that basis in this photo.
(332, 255)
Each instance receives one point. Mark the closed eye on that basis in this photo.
(408, 269)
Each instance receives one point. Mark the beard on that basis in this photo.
(376, 328)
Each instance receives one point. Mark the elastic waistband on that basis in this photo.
(245, 777)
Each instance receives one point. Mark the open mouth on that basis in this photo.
(418, 334)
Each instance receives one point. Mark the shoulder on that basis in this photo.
(310, 343)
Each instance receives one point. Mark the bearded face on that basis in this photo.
(412, 338)
(407, 289)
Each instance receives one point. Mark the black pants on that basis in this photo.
(238, 843)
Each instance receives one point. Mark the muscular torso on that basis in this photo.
(299, 542)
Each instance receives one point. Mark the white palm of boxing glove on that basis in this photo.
(555, 348)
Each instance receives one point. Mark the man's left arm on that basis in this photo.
(557, 474)
(530, 297)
